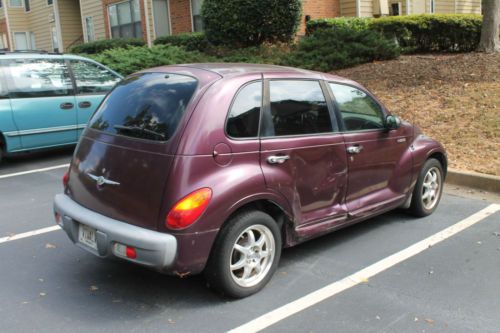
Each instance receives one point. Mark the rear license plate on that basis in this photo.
(86, 235)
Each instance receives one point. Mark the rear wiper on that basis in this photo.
(140, 130)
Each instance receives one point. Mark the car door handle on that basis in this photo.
(84, 105)
(278, 159)
(354, 149)
(66, 106)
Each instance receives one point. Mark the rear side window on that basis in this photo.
(243, 119)
(146, 106)
(38, 78)
(91, 78)
(297, 108)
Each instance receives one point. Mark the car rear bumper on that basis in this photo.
(154, 249)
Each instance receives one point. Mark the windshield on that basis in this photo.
(146, 106)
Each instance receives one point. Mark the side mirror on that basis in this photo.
(392, 122)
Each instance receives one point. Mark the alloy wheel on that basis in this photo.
(252, 255)
(431, 188)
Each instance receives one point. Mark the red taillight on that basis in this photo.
(130, 252)
(188, 209)
(65, 179)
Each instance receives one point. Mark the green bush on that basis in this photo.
(329, 49)
(263, 54)
(132, 59)
(417, 33)
(432, 33)
(354, 23)
(241, 23)
(106, 44)
(191, 41)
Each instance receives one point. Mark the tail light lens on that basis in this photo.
(188, 209)
(65, 179)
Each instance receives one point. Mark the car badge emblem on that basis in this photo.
(100, 180)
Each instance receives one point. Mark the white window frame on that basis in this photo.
(169, 19)
(87, 39)
(14, 6)
(192, 16)
(32, 40)
(400, 8)
(109, 19)
(28, 39)
(53, 30)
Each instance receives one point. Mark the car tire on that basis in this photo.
(428, 189)
(245, 255)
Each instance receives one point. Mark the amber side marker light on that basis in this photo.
(188, 209)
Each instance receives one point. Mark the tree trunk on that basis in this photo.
(490, 32)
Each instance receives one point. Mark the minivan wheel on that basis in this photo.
(245, 255)
(428, 189)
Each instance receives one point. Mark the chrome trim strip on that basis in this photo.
(45, 130)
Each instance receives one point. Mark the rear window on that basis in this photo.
(146, 106)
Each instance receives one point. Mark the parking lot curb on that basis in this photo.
(475, 180)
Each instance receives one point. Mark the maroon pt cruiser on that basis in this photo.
(217, 167)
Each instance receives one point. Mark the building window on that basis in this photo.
(27, 5)
(49, 2)
(432, 6)
(32, 41)
(21, 41)
(196, 11)
(16, 3)
(1, 3)
(396, 9)
(55, 40)
(125, 19)
(89, 29)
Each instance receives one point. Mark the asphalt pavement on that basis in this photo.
(49, 285)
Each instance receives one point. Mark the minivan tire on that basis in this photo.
(431, 178)
(260, 256)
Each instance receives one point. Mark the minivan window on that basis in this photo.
(243, 119)
(298, 107)
(146, 106)
(91, 78)
(38, 78)
(359, 111)
(4, 93)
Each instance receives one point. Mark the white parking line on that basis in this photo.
(350, 281)
(34, 171)
(29, 234)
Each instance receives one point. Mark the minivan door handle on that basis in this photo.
(66, 106)
(278, 159)
(84, 105)
(354, 149)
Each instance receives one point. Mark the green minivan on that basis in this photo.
(46, 99)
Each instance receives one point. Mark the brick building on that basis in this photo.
(59, 24)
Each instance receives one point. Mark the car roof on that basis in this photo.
(39, 55)
(46, 55)
(229, 70)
